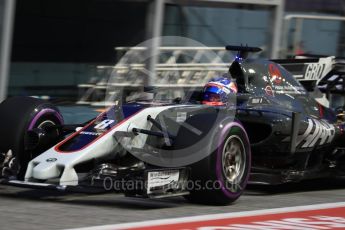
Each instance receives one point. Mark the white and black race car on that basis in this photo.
(270, 132)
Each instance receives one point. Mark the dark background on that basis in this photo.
(75, 30)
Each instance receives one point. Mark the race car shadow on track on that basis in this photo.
(119, 201)
(100, 199)
(303, 186)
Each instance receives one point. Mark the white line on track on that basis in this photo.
(215, 216)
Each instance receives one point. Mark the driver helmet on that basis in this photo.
(218, 90)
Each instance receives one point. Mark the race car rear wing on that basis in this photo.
(319, 75)
(324, 72)
(308, 69)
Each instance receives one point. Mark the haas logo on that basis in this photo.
(317, 130)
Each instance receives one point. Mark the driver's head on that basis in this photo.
(217, 91)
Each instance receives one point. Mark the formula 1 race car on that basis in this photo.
(271, 131)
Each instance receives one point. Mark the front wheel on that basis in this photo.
(222, 177)
(18, 115)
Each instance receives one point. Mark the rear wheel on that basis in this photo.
(222, 177)
(18, 115)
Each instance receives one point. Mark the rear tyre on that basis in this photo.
(221, 177)
(19, 115)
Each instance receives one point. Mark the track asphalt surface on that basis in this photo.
(39, 209)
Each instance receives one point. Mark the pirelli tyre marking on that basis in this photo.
(317, 130)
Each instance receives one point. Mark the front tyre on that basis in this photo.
(222, 177)
(18, 115)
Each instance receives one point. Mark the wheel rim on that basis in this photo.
(233, 159)
(42, 125)
(46, 124)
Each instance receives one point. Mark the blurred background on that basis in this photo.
(64, 48)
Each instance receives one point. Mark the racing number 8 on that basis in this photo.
(104, 124)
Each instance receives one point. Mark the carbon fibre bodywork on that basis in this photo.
(271, 106)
